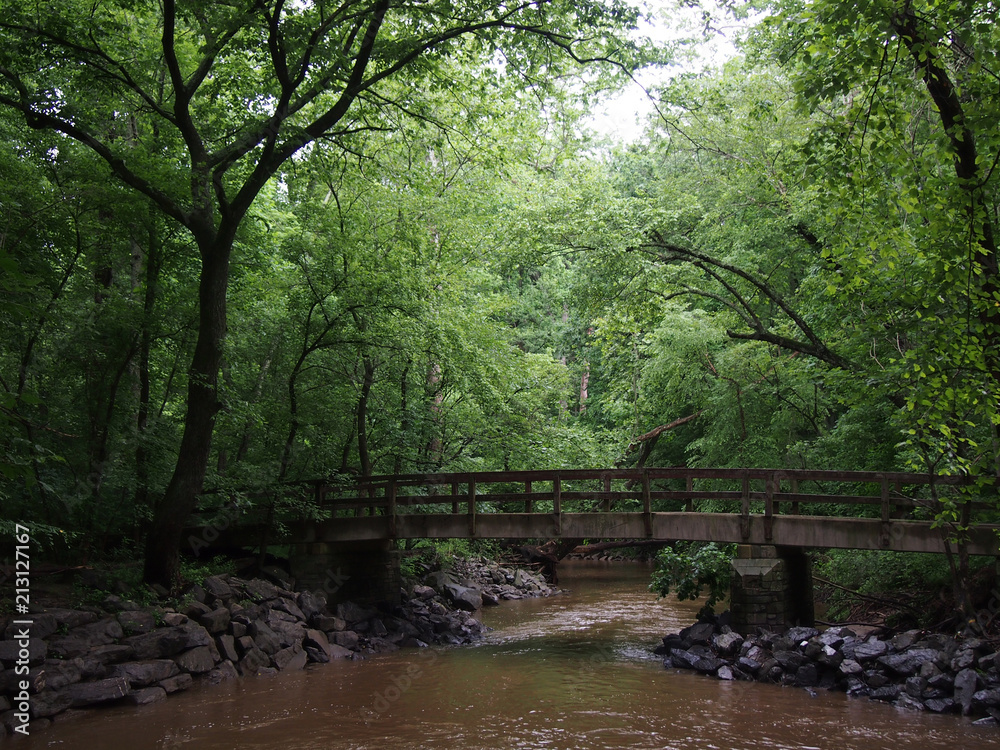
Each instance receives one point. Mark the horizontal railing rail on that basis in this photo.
(766, 493)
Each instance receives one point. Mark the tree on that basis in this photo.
(197, 107)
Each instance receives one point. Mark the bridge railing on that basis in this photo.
(889, 495)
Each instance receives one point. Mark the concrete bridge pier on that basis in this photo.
(771, 588)
(365, 572)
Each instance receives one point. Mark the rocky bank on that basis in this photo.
(915, 670)
(229, 628)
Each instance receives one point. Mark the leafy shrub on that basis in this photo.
(689, 567)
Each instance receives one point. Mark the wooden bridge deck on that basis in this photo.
(793, 508)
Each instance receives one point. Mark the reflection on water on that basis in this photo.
(570, 672)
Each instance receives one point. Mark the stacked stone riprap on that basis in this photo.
(915, 670)
(124, 653)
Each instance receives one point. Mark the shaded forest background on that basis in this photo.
(794, 266)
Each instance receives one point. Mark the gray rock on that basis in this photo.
(346, 639)
(903, 641)
(339, 652)
(699, 634)
(265, 638)
(963, 659)
(831, 637)
(253, 662)
(909, 703)
(194, 610)
(940, 705)
(289, 606)
(49, 703)
(216, 621)
(871, 649)
(79, 641)
(113, 654)
(291, 658)
(807, 676)
(790, 661)
(134, 622)
(984, 699)
(173, 619)
(326, 623)
(423, 592)
(908, 662)
(310, 605)
(915, 686)
(289, 632)
(850, 667)
(887, 693)
(144, 673)
(177, 683)
(59, 673)
(800, 634)
(222, 673)
(464, 597)
(966, 684)
(159, 644)
(197, 660)
(727, 644)
(217, 587)
(99, 691)
(145, 696)
(227, 647)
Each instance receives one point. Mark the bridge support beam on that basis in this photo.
(771, 588)
(364, 572)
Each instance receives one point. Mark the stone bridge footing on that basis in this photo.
(771, 588)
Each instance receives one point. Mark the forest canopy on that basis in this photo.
(249, 243)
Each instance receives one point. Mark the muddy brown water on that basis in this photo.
(572, 672)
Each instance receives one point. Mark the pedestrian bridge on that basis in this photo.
(773, 514)
(783, 507)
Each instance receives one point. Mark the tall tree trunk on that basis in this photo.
(153, 265)
(362, 415)
(162, 563)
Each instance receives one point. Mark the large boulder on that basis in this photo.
(80, 640)
(144, 673)
(908, 662)
(159, 644)
(464, 597)
(966, 685)
(197, 660)
(99, 691)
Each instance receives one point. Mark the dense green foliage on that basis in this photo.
(689, 567)
(238, 256)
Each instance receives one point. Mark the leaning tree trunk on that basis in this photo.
(162, 564)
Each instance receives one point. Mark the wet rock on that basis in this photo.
(216, 621)
(940, 705)
(197, 660)
(99, 691)
(49, 703)
(291, 658)
(909, 662)
(966, 684)
(218, 588)
(134, 622)
(144, 673)
(800, 634)
(222, 673)
(177, 683)
(145, 696)
(727, 644)
(159, 644)
(226, 645)
(870, 649)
